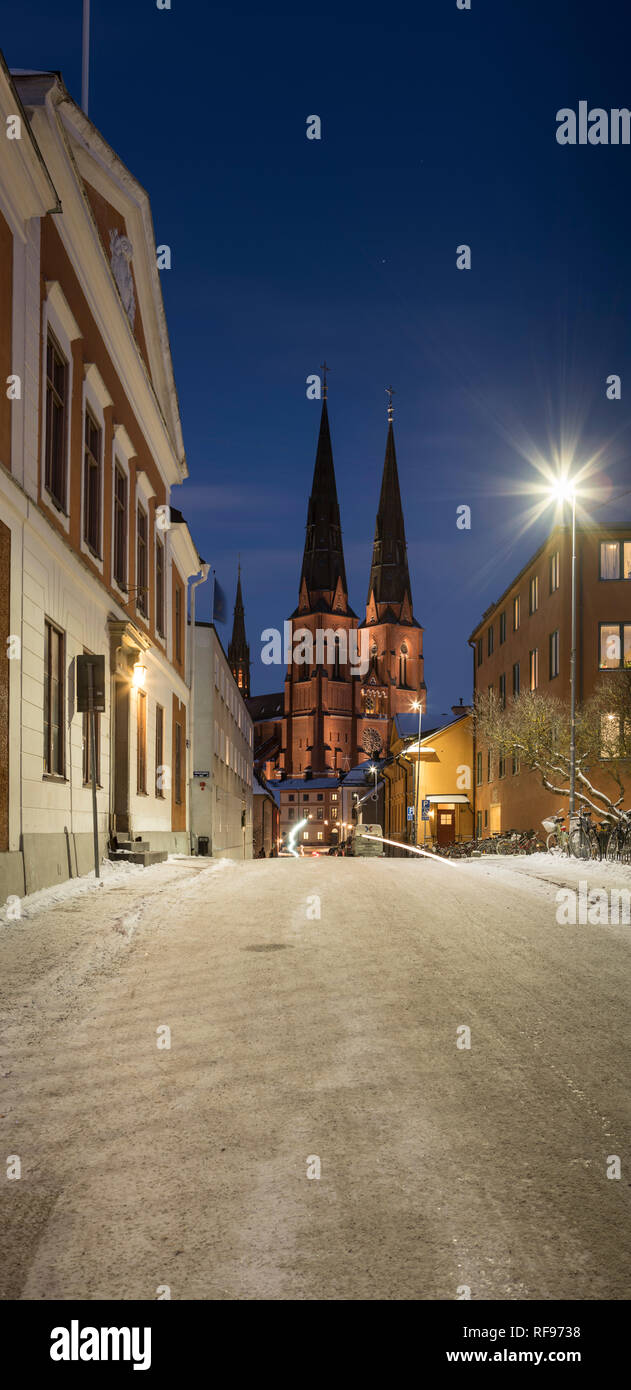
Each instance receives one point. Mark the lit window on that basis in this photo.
(516, 612)
(534, 668)
(615, 646)
(555, 570)
(534, 594)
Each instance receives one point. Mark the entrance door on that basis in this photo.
(446, 831)
(121, 758)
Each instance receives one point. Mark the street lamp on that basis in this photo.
(418, 704)
(564, 491)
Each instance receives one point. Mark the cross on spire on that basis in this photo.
(390, 392)
(324, 368)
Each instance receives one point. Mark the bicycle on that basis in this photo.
(584, 842)
(619, 840)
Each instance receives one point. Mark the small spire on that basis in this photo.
(324, 368)
(390, 392)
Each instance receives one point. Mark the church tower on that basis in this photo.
(238, 650)
(395, 676)
(319, 723)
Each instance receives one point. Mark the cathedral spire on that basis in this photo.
(323, 561)
(238, 650)
(389, 577)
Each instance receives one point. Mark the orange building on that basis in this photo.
(523, 643)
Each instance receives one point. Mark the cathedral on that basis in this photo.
(329, 717)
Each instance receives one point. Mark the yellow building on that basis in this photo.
(442, 775)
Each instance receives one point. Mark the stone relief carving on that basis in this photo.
(121, 254)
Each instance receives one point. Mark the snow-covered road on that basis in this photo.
(315, 1009)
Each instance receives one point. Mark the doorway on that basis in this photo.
(446, 827)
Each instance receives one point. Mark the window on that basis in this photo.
(486, 820)
(515, 764)
(479, 769)
(478, 824)
(334, 813)
(534, 594)
(56, 422)
(502, 766)
(320, 796)
(534, 668)
(53, 701)
(516, 612)
(141, 743)
(160, 750)
(336, 660)
(178, 632)
(305, 796)
(87, 746)
(615, 646)
(291, 797)
(320, 813)
(291, 813)
(516, 678)
(480, 651)
(120, 527)
(334, 794)
(92, 485)
(488, 765)
(490, 641)
(615, 559)
(403, 665)
(554, 654)
(502, 627)
(142, 536)
(160, 586)
(555, 571)
(178, 765)
(502, 691)
(320, 835)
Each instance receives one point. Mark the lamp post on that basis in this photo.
(418, 704)
(564, 491)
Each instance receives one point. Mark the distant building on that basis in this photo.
(266, 819)
(222, 776)
(523, 642)
(238, 650)
(317, 802)
(267, 718)
(92, 558)
(442, 779)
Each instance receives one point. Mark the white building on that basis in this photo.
(92, 559)
(222, 746)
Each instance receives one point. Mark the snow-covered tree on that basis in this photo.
(535, 727)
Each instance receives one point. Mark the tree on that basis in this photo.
(535, 727)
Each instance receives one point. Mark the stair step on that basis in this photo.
(142, 856)
(134, 845)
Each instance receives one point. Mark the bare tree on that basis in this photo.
(535, 727)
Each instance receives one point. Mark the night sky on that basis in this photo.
(438, 129)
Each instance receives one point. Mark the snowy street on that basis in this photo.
(317, 1010)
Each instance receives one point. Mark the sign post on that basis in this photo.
(91, 701)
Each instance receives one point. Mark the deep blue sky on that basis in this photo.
(438, 128)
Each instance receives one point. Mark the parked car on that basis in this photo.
(366, 840)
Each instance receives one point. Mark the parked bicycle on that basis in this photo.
(579, 839)
(619, 840)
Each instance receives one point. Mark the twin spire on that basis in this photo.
(323, 572)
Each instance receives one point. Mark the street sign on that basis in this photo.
(96, 664)
(205, 775)
(425, 804)
(410, 813)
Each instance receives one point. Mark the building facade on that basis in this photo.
(223, 740)
(523, 642)
(318, 802)
(346, 678)
(90, 451)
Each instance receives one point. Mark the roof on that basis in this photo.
(266, 706)
(259, 790)
(307, 784)
(357, 774)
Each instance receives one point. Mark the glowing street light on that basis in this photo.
(417, 704)
(563, 490)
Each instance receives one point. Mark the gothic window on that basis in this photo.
(403, 664)
(336, 660)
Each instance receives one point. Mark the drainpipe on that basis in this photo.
(204, 573)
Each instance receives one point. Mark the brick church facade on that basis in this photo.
(329, 716)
